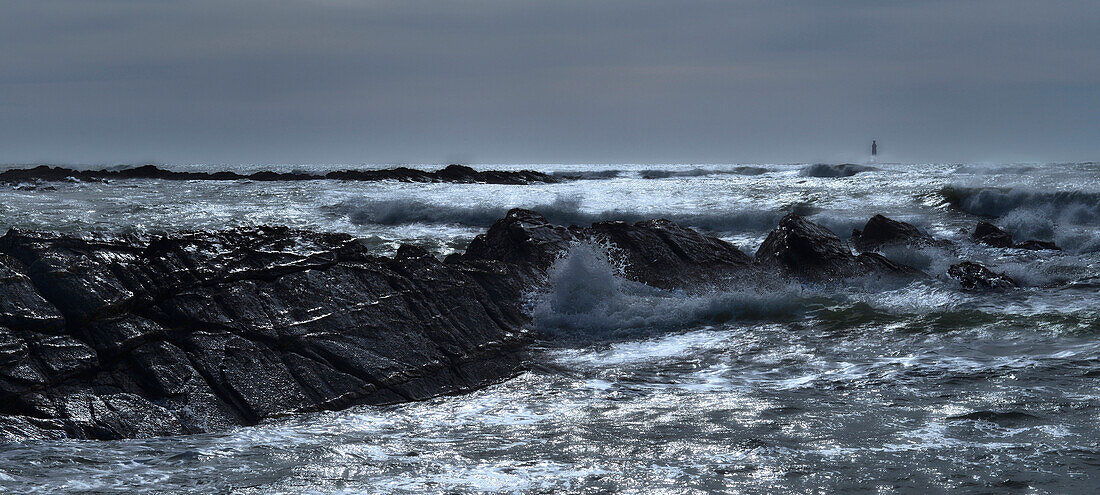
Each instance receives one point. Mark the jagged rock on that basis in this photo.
(803, 249)
(116, 336)
(657, 252)
(525, 238)
(120, 336)
(21, 306)
(664, 254)
(991, 235)
(973, 276)
(1034, 245)
(881, 231)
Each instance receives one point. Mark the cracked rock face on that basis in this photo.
(114, 337)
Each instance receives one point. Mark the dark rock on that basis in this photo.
(452, 173)
(881, 231)
(525, 238)
(119, 336)
(805, 250)
(21, 306)
(200, 331)
(664, 254)
(973, 276)
(656, 252)
(1034, 245)
(991, 235)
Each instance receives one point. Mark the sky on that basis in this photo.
(342, 81)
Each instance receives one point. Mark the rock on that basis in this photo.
(805, 250)
(21, 306)
(1034, 245)
(109, 337)
(656, 252)
(881, 231)
(991, 235)
(118, 337)
(973, 276)
(28, 178)
(525, 238)
(666, 255)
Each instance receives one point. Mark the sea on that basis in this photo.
(923, 388)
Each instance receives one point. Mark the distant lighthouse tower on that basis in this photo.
(874, 148)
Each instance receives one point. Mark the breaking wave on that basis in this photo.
(588, 298)
(834, 170)
(700, 172)
(1072, 207)
(1033, 214)
(562, 211)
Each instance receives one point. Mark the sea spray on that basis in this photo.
(587, 297)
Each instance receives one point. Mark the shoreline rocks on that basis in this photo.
(107, 337)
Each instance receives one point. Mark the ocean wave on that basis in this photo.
(700, 172)
(1033, 214)
(588, 298)
(1075, 207)
(587, 174)
(834, 170)
(562, 211)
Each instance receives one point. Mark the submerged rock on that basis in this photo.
(973, 276)
(1034, 245)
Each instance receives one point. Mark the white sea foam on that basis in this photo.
(587, 297)
(563, 211)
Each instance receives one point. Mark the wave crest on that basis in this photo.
(588, 298)
(561, 211)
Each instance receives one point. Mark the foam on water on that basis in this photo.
(921, 388)
(587, 297)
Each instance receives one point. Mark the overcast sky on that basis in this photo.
(342, 81)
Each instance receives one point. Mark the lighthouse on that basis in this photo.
(874, 148)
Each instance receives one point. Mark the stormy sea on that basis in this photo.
(974, 370)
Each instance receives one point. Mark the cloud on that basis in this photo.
(618, 81)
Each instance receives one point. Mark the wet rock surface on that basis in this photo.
(451, 173)
(991, 235)
(802, 249)
(116, 337)
(121, 336)
(881, 232)
(974, 276)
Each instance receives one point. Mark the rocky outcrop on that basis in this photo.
(881, 232)
(656, 252)
(122, 336)
(973, 276)
(115, 337)
(804, 250)
(1034, 245)
(452, 173)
